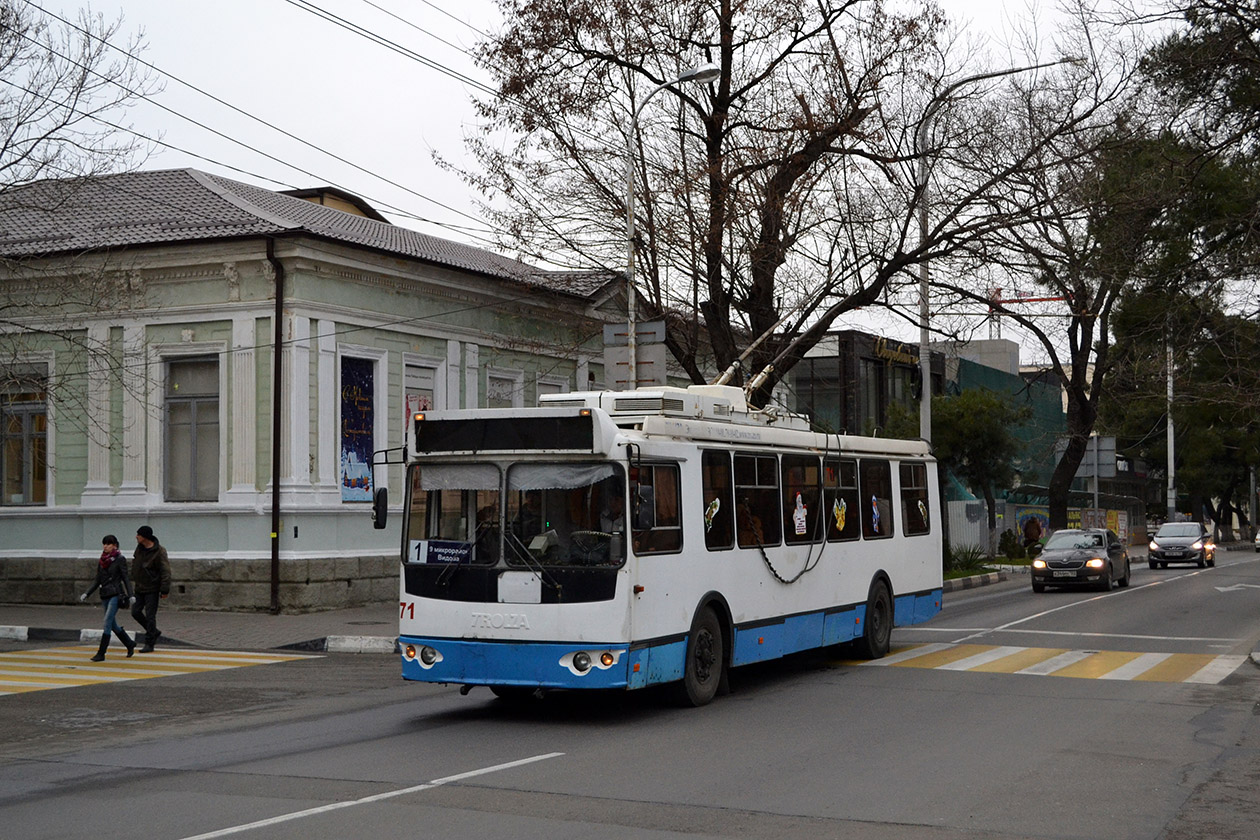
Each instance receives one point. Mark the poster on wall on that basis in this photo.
(357, 387)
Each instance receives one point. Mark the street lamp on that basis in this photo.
(920, 141)
(702, 73)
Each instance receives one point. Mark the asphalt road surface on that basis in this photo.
(1131, 714)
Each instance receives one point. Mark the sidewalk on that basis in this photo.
(371, 629)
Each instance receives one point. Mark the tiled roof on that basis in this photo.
(186, 205)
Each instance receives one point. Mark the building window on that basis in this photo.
(24, 443)
(419, 390)
(504, 390)
(358, 425)
(192, 430)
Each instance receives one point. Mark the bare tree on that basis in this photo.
(773, 200)
(64, 87)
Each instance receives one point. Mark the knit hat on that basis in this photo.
(145, 531)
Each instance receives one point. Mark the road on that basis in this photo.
(1106, 742)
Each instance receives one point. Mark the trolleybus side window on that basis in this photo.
(876, 500)
(658, 486)
(842, 500)
(914, 498)
(719, 520)
(757, 516)
(802, 483)
(454, 514)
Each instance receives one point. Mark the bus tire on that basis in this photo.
(877, 629)
(705, 658)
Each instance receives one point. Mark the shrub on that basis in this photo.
(966, 558)
(1010, 545)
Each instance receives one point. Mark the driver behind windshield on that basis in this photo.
(612, 518)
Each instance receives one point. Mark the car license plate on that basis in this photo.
(1067, 573)
(1176, 553)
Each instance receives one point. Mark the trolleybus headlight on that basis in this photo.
(410, 651)
(582, 661)
(607, 659)
(428, 656)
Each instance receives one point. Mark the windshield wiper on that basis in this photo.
(522, 552)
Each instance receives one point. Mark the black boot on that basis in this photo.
(150, 640)
(100, 653)
(126, 640)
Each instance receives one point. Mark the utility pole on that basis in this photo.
(1172, 470)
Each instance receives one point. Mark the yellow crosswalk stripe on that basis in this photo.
(1121, 665)
(66, 667)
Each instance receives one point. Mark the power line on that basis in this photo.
(237, 141)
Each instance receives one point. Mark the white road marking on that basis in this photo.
(335, 806)
(1054, 663)
(1137, 667)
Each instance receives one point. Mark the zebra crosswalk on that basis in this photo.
(67, 667)
(1204, 669)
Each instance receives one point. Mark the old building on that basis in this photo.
(220, 362)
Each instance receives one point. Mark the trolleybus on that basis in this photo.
(617, 540)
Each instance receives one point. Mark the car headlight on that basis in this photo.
(1096, 562)
(1198, 544)
(1154, 546)
(1039, 563)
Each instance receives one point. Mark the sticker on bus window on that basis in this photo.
(838, 510)
(711, 512)
(799, 516)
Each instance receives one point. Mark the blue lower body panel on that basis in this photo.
(470, 662)
(771, 640)
(549, 664)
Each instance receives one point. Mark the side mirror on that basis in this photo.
(380, 507)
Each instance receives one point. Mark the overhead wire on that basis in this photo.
(241, 143)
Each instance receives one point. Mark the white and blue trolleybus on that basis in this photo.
(617, 540)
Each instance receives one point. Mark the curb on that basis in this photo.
(328, 644)
(973, 581)
(346, 644)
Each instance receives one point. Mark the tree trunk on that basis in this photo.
(991, 505)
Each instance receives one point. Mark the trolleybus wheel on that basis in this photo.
(877, 634)
(702, 671)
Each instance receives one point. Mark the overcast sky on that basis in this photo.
(363, 116)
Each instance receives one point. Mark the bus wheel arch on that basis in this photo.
(876, 638)
(708, 653)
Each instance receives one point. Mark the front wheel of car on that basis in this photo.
(1154, 565)
(1104, 582)
(1124, 581)
(1202, 562)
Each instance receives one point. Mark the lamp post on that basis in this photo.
(920, 141)
(701, 73)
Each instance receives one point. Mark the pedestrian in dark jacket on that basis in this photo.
(153, 581)
(115, 588)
